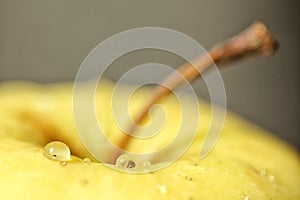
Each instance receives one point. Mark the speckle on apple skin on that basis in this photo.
(84, 182)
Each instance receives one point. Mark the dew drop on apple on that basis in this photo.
(244, 197)
(263, 172)
(271, 178)
(57, 151)
(162, 189)
(146, 164)
(63, 163)
(86, 160)
(126, 161)
(189, 178)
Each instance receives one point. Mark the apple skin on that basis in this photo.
(247, 162)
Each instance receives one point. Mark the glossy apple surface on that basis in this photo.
(246, 163)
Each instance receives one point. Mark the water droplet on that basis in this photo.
(86, 160)
(57, 151)
(189, 178)
(63, 163)
(162, 189)
(125, 161)
(263, 172)
(146, 164)
(271, 178)
(244, 197)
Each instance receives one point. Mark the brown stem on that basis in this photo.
(255, 40)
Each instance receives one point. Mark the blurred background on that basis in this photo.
(46, 41)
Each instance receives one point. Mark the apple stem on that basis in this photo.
(254, 40)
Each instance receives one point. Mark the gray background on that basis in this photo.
(46, 41)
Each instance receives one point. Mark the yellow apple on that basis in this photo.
(247, 162)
